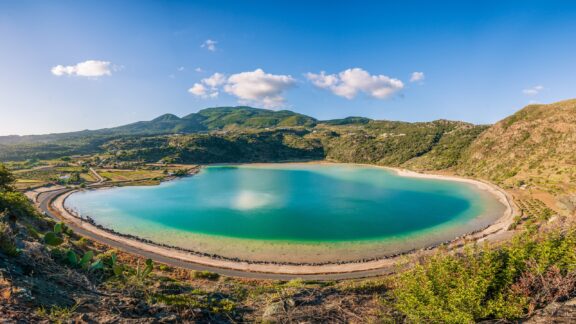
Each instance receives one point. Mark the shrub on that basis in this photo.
(16, 204)
(205, 275)
(54, 238)
(485, 283)
(7, 245)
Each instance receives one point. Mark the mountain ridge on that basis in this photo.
(213, 118)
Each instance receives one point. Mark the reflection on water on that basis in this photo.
(246, 200)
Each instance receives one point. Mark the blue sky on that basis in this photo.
(72, 65)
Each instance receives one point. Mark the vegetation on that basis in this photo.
(487, 283)
(6, 179)
(534, 148)
(206, 275)
(530, 150)
(244, 134)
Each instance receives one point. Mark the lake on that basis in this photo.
(296, 212)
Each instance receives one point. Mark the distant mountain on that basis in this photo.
(347, 121)
(202, 121)
(248, 117)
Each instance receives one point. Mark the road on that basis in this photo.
(45, 199)
(99, 177)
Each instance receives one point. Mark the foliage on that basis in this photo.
(205, 275)
(196, 299)
(54, 238)
(7, 245)
(58, 314)
(252, 146)
(6, 179)
(16, 204)
(83, 262)
(111, 263)
(484, 283)
(180, 173)
(143, 272)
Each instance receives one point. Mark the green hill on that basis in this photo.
(535, 147)
(90, 141)
(248, 117)
(207, 119)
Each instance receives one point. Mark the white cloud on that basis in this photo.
(259, 87)
(254, 87)
(322, 80)
(199, 70)
(198, 90)
(90, 68)
(533, 90)
(214, 81)
(350, 82)
(208, 87)
(417, 76)
(181, 68)
(209, 45)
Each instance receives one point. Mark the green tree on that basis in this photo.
(6, 179)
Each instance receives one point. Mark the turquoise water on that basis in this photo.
(288, 203)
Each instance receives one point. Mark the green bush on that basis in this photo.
(7, 245)
(483, 283)
(16, 204)
(54, 238)
(205, 275)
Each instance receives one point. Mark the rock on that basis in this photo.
(83, 319)
(272, 311)
(168, 319)
(557, 312)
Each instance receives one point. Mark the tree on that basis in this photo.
(6, 179)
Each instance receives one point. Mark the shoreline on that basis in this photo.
(292, 268)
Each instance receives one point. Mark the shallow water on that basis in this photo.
(263, 211)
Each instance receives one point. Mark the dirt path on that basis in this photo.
(99, 177)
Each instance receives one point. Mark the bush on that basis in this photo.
(485, 283)
(6, 179)
(205, 275)
(16, 204)
(7, 245)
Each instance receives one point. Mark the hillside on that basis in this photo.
(376, 142)
(422, 146)
(229, 134)
(535, 147)
(89, 141)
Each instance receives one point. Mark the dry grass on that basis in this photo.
(129, 175)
